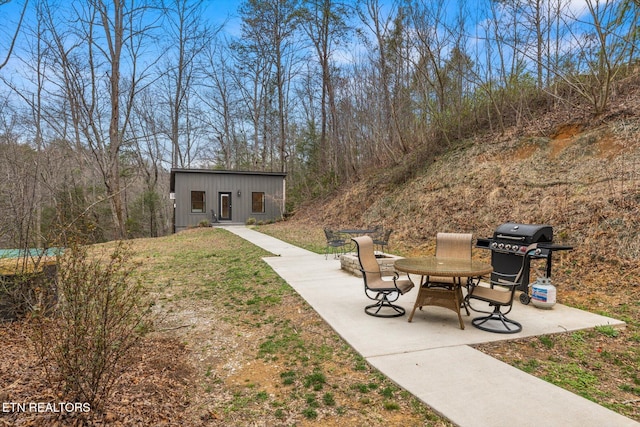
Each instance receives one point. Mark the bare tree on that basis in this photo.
(188, 36)
(223, 107)
(16, 192)
(603, 51)
(431, 42)
(107, 41)
(14, 37)
(380, 25)
(325, 22)
(45, 129)
(251, 80)
(269, 28)
(32, 137)
(150, 208)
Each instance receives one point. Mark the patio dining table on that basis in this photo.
(433, 292)
(357, 232)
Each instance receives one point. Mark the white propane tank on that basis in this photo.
(543, 293)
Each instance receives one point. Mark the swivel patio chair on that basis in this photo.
(384, 292)
(335, 243)
(499, 294)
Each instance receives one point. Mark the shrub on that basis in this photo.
(21, 293)
(101, 310)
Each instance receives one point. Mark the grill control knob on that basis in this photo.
(515, 248)
(494, 245)
(501, 245)
(507, 246)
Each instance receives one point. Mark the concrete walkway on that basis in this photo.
(431, 357)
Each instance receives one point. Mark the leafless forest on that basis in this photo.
(100, 99)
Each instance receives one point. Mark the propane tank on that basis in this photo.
(543, 293)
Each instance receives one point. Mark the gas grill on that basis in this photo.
(508, 246)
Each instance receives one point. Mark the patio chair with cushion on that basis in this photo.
(383, 291)
(335, 243)
(499, 293)
(446, 291)
(451, 245)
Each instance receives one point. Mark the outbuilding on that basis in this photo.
(225, 197)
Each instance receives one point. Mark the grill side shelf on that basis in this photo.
(554, 247)
(482, 243)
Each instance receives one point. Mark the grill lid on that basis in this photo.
(526, 233)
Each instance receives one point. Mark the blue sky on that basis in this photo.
(219, 10)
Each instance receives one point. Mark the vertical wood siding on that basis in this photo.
(219, 182)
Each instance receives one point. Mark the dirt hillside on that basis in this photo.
(576, 172)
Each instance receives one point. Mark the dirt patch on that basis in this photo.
(263, 375)
(558, 146)
(563, 138)
(526, 151)
(566, 131)
(609, 147)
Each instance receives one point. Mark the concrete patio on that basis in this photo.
(432, 358)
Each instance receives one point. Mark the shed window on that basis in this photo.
(257, 202)
(197, 202)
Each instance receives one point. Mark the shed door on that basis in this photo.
(224, 202)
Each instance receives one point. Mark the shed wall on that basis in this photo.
(241, 205)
